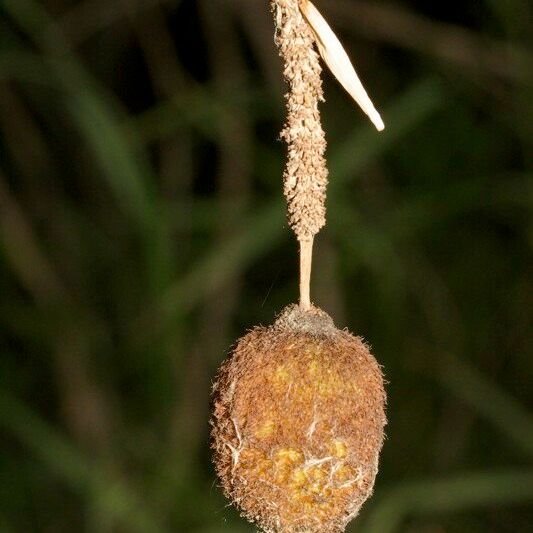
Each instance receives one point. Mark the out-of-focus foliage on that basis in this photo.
(142, 231)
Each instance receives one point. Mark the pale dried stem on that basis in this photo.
(306, 259)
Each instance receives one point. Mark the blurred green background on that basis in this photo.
(142, 230)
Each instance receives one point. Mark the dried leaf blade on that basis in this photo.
(339, 63)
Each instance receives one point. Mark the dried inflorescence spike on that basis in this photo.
(299, 26)
(298, 424)
(305, 177)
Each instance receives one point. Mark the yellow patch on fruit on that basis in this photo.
(339, 449)
(289, 455)
(314, 367)
(282, 374)
(266, 429)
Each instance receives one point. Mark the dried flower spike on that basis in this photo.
(305, 177)
(298, 424)
(299, 26)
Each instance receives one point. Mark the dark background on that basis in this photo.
(142, 231)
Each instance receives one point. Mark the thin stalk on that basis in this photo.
(306, 259)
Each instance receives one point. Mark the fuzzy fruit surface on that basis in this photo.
(298, 424)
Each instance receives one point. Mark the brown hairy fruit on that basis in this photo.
(298, 424)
